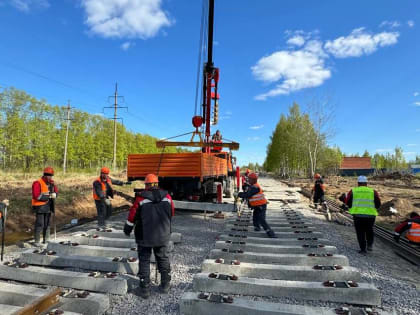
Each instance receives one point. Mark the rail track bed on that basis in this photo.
(249, 273)
(220, 266)
(73, 274)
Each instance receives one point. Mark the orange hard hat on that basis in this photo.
(151, 178)
(48, 171)
(253, 176)
(105, 170)
(317, 176)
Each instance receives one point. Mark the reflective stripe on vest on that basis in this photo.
(95, 196)
(363, 201)
(44, 190)
(413, 233)
(258, 199)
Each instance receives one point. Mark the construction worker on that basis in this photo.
(318, 191)
(363, 203)
(151, 216)
(411, 227)
(216, 138)
(258, 204)
(103, 193)
(44, 193)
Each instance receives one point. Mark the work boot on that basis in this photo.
(165, 280)
(46, 236)
(362, 252)
(369, 248)
(37, 242)
(144, 289)
(271, 234)
(257, 229)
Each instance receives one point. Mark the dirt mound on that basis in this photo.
(405, 177)
(403, 207)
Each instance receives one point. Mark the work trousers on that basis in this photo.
(258, 218)
(42, 224)
(103, 211)
(364, 230)
(162, 261)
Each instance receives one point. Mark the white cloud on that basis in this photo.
(296, 40)
(256, 127)
(227, 115)
(253, 138)
(27, 5)
(409, 153)
(295, 69)
(416, 94)
(126, 45)
(411, 145)
(410, 23)
(359, 43)
(125, 18)
(390, 24)
(384, 150)
(417, 103)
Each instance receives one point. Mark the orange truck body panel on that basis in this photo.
(177, 165)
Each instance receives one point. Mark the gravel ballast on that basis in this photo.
(198, 238)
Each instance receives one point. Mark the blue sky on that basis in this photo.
(362, 55)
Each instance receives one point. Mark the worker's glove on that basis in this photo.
(235, 194)
(127, 229)
(5, 202)
(127, 183)
(396, 237)
(107, 202)
(53, 195)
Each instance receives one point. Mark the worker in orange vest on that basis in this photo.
(103, 193)
(411, 226)
(258, 204)
(44, 193)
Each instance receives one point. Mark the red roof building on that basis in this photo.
(356, 163)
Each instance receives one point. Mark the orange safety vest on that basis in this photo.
(44, 190)
(413, 233)
(257, 199)
(95, 196)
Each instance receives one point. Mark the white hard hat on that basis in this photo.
(362, 179)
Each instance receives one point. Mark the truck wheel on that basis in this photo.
(229, 187)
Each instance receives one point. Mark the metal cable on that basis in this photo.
(200, 53)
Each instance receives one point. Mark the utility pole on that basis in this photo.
(67, 136)
(115, 107)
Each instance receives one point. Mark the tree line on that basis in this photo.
(298, 147)
(32, 134)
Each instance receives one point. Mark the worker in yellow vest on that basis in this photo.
(44, 193)
(258, 204)
(411, 227)
(363, 203)
(103, 193)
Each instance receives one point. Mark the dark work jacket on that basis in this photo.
(318, 191)
(153, 218)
